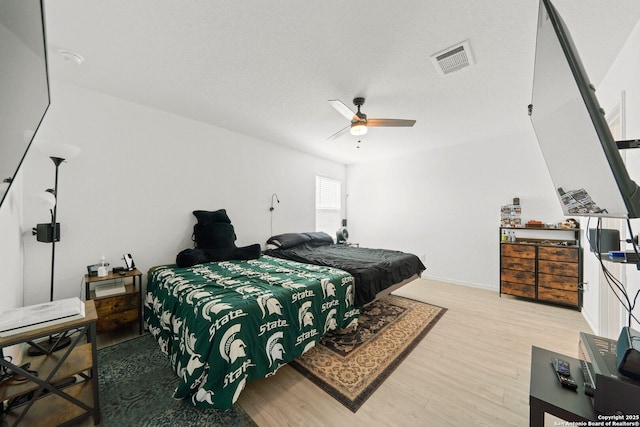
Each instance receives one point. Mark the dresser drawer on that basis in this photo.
(558, 268)
(517, 276)
(518, 289)
(117, 303)
(557, 296)
(566, 283)
(115, 320)
(522, 264)
(518, 250)
(558, 253)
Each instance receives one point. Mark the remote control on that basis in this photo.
(563, 372)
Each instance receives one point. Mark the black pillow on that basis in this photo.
(214, 236)
(319, 238)
(207, 217)
(191, 257)
(288, 240)
(247, 252)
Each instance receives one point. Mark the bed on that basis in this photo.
(374, 270)
(224, 324)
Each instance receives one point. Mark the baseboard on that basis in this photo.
(461, 283)
(592, 324)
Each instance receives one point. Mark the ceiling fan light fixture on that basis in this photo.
(358, 128)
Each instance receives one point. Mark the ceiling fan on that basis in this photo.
(359, 121)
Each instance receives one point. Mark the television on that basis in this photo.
(581, 154)
(24, 83)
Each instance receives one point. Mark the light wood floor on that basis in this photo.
(472, 369)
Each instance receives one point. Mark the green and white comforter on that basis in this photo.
(227, 323)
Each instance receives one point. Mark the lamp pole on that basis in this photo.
(55, 342)
(54, 226)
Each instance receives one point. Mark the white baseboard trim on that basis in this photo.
(592, 324)
(460, 283)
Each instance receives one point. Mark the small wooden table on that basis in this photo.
(45, 400)
(546, 394)
(118, 309)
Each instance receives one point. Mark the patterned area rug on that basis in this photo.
(350, 367)
(136, 385)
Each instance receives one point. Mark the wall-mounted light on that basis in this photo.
(272, 208)
(274, 195)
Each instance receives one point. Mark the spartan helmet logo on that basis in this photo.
(330, 323)
(203, 395)
(177, 324)
(328, 288)
(348, 299)
(275, 349)
(196, 294)
(305, 317)
(214, 306)
(231, 348)
(269, 305)
(248, 289)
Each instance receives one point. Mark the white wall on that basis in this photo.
(139, 176)
(11, 247)
(621, 78)
(445, 204)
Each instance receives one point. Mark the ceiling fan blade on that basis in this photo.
(339, 133)
(390, 122)
(343, 109)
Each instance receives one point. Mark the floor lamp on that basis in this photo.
(50, 233)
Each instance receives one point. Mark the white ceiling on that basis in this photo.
(267, 69)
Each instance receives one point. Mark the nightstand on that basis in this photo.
(118, 309)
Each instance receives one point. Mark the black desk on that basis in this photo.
(547, 395)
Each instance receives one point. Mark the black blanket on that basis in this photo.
(374, 270)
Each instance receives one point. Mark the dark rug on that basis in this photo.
(351, 366)
(136, 388)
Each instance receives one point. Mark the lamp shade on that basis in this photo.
(46, 199)
(358, 128)
(57, 150)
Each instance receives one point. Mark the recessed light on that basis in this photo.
(68, 55)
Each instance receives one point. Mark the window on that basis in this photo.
(328, 210)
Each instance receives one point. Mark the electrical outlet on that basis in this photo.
(584, 286)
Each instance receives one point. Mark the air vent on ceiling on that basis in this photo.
(453, 59)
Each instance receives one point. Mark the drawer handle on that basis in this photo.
(116, 305)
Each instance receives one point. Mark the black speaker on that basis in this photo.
(628, 353)
(609, 240)
(44, 232)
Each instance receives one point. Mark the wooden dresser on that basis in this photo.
(543, 269)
